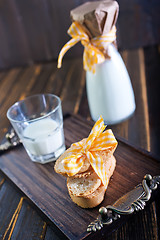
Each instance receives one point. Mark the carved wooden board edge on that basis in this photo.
(138, 149)
(134, 200)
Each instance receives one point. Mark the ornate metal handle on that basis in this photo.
(134, 200)
(12, 140)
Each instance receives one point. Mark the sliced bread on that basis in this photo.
(83, 186)
(94, 198)
(91, 200)
(59, 168)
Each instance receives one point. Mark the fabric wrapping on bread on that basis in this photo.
(89, 149)
(87, 179)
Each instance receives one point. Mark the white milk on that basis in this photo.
(43, 137)
(109, 90)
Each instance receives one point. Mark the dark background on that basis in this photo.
(34, 31)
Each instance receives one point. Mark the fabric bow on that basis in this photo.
(96, 141)
(93, 48)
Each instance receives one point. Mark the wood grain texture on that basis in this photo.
(21, 221)
(29, 222)
(139, 120)
(35, 180)
(138, 226)
(158, 214)
(142, 66)
(152, 63)
(70, 93)
(8, 197)
(69, 84)
(54, 234)
(17, 83)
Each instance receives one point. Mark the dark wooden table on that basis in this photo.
(19, 217)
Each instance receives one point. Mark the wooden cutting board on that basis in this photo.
(48, 191)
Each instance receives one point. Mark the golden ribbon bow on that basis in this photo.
(93, 48)
(96, 141)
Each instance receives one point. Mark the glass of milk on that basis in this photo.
(38, 122)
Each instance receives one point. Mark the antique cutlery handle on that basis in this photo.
(134, 200)
(11, 140)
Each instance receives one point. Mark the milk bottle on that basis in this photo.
(109, 90)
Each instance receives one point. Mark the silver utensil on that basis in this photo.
(11, 140)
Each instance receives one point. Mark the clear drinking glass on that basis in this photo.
(38, 122)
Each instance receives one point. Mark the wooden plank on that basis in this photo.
(142, 225)
(2, 179)
(18, 220)
(83, 107)
(80, 92)
(8, 197)
(55, 81)
(58, 78)
(54, 234)
(72, 88)
(6, 88)
(2, 75)
(19, 83)
(152, 70)
(157, 201)
(41, 79)
(35, 179)
(25, 81)
(9, 82)
(29, 224)
(140, 119)
(29, 78)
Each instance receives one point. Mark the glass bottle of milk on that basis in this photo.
(109, 90)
